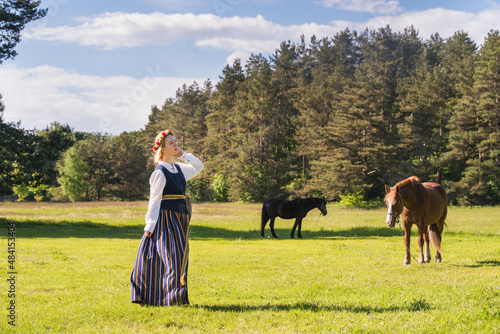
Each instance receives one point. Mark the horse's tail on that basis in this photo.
(435, 236)
(436, 229)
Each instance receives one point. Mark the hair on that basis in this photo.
(411, 179)
(400, 184)
(160, 137)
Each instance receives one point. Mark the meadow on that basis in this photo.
(73, 263)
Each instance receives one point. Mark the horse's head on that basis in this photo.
(394, 203)
(322, 206)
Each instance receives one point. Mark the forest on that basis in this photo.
(337, 117)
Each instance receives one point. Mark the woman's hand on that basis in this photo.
(179, 153)
(148, 234)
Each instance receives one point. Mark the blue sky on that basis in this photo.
(99, 66)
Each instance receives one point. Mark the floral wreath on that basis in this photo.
(160, 138)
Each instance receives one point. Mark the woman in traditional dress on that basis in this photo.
(159, 276)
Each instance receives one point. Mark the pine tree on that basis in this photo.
(359, 136)
(220, 122)
(250, 179)
(425, 114)
(283, 142)
(257, 122)
(475, 125)
(2, 108)
(14, 16)
(184, 115)
(333, 64)
(458, 59)
(187, 116)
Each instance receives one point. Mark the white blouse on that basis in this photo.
(190, 166)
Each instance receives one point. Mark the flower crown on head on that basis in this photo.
(160, 138)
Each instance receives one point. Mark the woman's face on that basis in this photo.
(170, 148)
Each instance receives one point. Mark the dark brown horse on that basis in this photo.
(297, 208)
(422, 204)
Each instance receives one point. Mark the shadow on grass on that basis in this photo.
(206, 232)
(310, 307)
(69, 229)
(359, 231)
(39, 228)
(479, 264)
(89, 229)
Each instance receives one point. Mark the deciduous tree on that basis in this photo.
(72, 174)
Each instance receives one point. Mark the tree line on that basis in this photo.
(59, 164)
(336, 117)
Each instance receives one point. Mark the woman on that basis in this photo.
(159, 276)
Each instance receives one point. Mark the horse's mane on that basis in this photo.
(306, 199)
(411, 179)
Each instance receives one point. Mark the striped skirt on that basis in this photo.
(156, 275)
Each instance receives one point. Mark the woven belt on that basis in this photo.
(173, 196)
(186, 250)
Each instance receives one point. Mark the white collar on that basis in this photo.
(170, 167)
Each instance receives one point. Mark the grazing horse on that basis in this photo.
(422, 204)
(297, 208)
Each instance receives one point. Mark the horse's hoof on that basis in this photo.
(300, 236)
(275, 236)
(406, 262)
(438, 260)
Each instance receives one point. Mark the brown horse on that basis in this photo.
(422, 204)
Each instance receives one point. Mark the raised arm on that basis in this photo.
(190, 165)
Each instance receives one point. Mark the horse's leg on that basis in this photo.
(265, 219)
(421, 232)
(427, 257)
(292, 235)
(437, 232)
(271, 225)
(299, 234)
(407, 244)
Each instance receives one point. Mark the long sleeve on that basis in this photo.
(190, 165)
(157, 183)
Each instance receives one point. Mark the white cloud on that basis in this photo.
(365, 6)
(443, 21)
(242, 55)
(38, 96)
(493, 4)
(41, 95)
(250, 34)
(117, 30)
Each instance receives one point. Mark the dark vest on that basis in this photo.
(175, 185)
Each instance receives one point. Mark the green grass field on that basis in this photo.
(73, 263)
